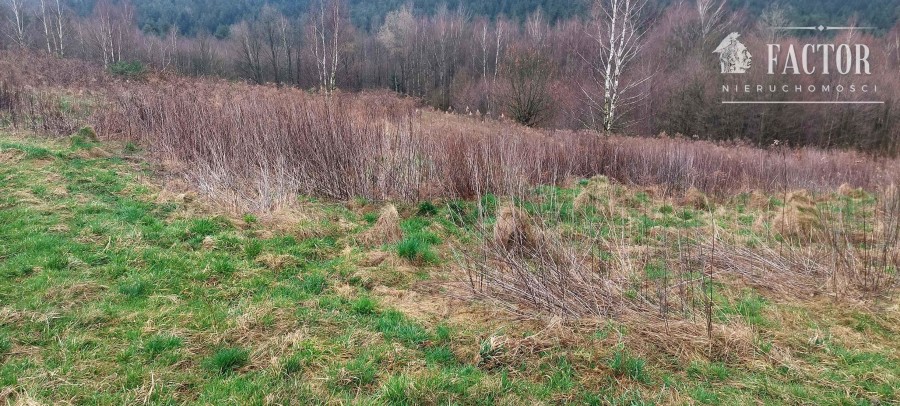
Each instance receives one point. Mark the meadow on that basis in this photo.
(241, 244)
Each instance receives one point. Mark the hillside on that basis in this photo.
(122, 285)
(176, 240)
(193, 16)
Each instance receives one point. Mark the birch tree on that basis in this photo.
(618, 38)
(111, 28)
(52, 18)
(711, 13)
(329, 20)
(18, 22)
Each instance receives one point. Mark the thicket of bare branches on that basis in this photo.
(463, 63)
(265, 144)
(535, 268)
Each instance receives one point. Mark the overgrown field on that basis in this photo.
(120, 285)
(255, 147)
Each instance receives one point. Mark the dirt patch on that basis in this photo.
(74, 294)
(374, 258)
(276, 262)
(10, 156)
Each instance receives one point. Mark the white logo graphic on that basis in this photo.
(733, 55)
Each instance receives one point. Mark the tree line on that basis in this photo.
(625, 66)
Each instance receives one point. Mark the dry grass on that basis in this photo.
(693, 197)
(687, 341)
(599, 194)
(386, 229)
(514, 230)
(799, 217)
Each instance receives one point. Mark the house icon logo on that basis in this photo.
(733, 55)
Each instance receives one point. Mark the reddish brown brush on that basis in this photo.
(261, 145)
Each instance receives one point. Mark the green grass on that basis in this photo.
(624, 364)
(418, 242)
(109, 295)
(159, 344)
(227, 360)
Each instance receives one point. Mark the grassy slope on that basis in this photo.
(110, 294)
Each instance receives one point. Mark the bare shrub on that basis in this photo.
(526, 93)
(864, 248)
(531, 271)
(788, 272)
(258, 146)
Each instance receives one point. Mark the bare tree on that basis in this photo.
(527, 95)
(18, 21)
(110, 29)
(273, 34)
(329, 20)
(773, 16)
(53, 18)
(251, 61)
(288, 41)
(536, 27)
(616, 31)
(396, 35)
(711, 13)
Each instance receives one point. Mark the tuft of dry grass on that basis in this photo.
(386, 229)
(514, 230)
(687, 340)
(693, 197)
(799, 218)
(599, 194)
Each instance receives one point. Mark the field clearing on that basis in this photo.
(121, 284)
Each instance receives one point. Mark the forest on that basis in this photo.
(191, 17)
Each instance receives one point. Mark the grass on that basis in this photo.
(112, 294)
(624, 364)
(161, 343)
(227, 360)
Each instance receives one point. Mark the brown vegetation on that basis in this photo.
(799, 217)
(387, 229)
(264, 144)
